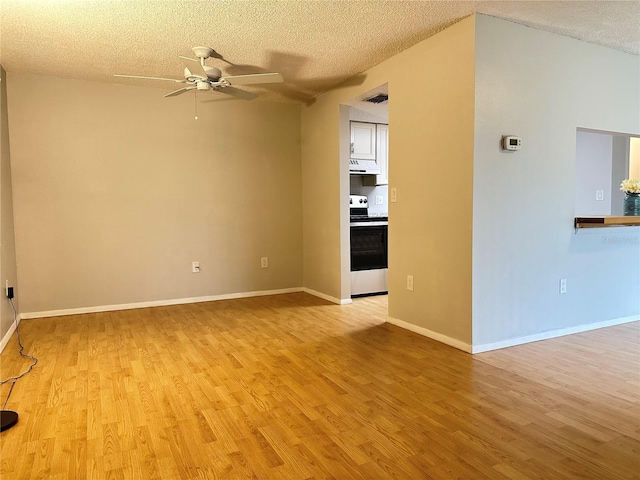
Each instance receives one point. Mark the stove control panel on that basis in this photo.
(358, 201)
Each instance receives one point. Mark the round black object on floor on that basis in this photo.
(8, 419)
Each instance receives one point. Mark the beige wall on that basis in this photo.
(7, 238)
(117, 190)
(321, 199)
(431, 110)
(431, 91)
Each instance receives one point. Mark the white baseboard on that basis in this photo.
(178, 301)
(328, 298)
(7, 336)
(425, 332)
(552, 334)
(512, 341)
(156, 303)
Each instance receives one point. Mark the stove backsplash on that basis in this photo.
(357, 188)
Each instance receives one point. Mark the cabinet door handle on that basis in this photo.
(352, 149)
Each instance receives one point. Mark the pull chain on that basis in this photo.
(195, 102)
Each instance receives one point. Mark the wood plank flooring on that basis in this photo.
(291, 387)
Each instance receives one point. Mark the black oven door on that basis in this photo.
(368, 247)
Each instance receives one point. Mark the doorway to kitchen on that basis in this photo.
(368, 159)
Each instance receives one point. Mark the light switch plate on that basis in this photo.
(563, 286)
(410, 283)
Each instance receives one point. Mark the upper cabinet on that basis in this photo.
(363, 140)
(381, 138)
(382, 154)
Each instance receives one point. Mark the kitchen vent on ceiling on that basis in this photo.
(381, 97)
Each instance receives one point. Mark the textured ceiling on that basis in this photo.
(314, 44)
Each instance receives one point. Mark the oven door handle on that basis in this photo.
(369, 224)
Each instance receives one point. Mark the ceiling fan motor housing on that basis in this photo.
(213, 73)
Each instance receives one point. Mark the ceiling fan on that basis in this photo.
(201, 77)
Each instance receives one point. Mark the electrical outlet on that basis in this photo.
(264, 262)
(563, 286)
(410, 283)
(599, 195)
(195, 267)
(379, 199)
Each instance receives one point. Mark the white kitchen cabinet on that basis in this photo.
(382, 158)
(363, 140)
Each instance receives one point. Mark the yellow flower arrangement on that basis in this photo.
(630, 186)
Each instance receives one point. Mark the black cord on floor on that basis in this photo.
(22, 354)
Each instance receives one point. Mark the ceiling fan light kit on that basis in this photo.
(202, 85)
(198, 76)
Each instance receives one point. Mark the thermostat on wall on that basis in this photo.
(510, 142)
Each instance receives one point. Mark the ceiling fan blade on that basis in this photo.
(194, 67)
(254, 78)
(178, 92)
(236, 92)
(150, 78)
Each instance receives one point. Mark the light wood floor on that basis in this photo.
(291, 387)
